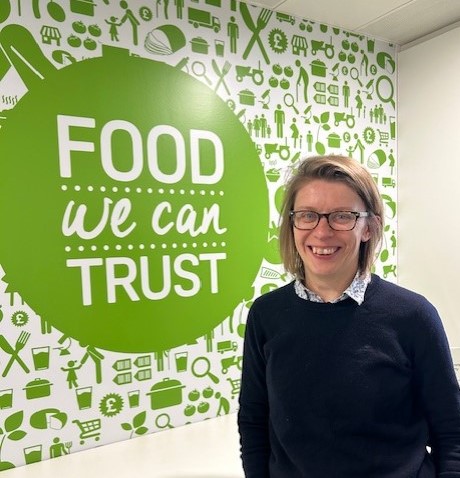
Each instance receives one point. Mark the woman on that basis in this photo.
(344, 374)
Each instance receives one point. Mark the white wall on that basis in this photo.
(429, 174)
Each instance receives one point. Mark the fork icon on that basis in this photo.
(14, 352)
(260, 23)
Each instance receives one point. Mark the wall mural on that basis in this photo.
(143, 148)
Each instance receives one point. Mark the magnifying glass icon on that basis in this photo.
(354, 73)
(163, 421)
(201, 367)
(385, 89)
(199, 69)
(289, 102)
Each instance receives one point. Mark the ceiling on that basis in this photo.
(401, 22)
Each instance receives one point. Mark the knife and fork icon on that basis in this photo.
(260, 23)
(221, 74)
(14, 351)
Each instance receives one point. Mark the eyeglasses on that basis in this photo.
(337, 220)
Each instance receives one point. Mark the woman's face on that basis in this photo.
(329, 255)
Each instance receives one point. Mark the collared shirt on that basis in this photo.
(355, 290)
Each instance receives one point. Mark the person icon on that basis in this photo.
(96, 357)
(358, 146)
(263, 126)
(295, 133)
(233, 33)
(58, 448)
(302, 81)
(382, 117)
(113, 30)
(393, 242)
(256, 126)
(346, 93)
(359, 103)
(249, 127)
(310, 141)
(391, 160)
(179, 8)
(71, 373)
(130, 17)
(364, 63)
(279, 121)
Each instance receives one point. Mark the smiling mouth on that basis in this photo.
(323, 251)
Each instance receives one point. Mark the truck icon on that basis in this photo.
(203, 18)
(284, 17)
(226, 345)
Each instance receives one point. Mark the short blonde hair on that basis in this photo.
(331, 168)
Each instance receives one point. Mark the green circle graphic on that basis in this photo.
(134, 204)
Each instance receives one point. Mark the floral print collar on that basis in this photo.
(355, 290)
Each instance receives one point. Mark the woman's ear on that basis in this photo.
(367, 231)
(366, 234)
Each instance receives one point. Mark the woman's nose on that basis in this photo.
(323, 228)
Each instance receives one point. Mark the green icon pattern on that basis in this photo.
(126, 277)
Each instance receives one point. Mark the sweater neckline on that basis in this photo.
(341, 305)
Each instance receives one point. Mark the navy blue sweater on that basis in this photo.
(348, 391)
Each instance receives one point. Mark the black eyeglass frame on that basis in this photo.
(357, 215)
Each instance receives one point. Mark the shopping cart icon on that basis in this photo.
(89, 429)
(236, 385)
(383, 137)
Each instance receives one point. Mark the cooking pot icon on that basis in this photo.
(166, 393)
(38, 388)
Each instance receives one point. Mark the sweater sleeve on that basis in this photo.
(253, 411)
(438, 390)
